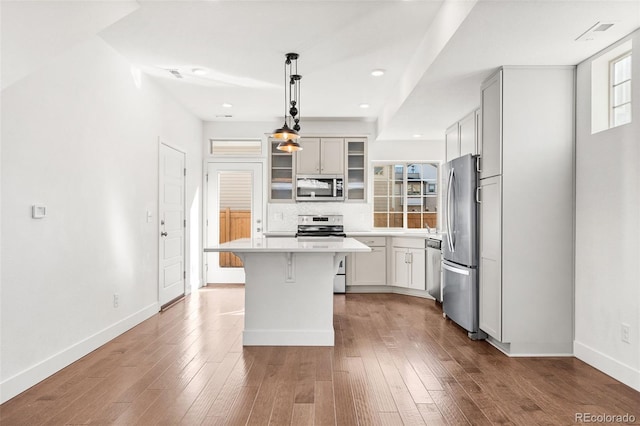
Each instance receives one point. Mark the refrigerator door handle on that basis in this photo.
(449, 189)
(478, 195)
(455, 270)
(478, 169)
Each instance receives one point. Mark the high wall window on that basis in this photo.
(405, 195)
(611, 96)
(620, 77)
(235, 148)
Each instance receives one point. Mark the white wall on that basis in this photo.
(607, 290)
(418, 150)
(81, 138)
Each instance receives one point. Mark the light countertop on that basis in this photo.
(289, 245)
(393, 233)
(374, 233)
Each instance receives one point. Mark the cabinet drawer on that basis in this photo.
(409, 242)
(372, 241)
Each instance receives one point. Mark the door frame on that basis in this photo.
(206, 202)
(158, 230)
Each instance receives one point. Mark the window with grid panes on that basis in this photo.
(405, 195)
(621, 90)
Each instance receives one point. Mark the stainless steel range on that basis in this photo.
(327, 227)
(317, 226)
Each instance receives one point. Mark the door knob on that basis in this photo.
(163, 234)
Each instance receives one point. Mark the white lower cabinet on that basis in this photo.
(368, 268)
(491, 257)
(409, 264)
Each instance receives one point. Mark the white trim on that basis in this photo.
(608, 365)
(288, 337)
(40, 371)
(406, 291)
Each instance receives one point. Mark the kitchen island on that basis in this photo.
(289, 288)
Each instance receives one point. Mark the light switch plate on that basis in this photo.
(38, 212)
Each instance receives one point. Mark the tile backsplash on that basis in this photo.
(283, 217)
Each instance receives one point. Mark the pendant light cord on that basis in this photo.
(298, 82)
(285, 92)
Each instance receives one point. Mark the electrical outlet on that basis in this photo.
(116, 300)
(625, 333)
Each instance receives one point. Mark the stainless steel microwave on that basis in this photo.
(319, 188)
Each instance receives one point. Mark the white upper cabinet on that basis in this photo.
(491, 127)
(308, 160)
(452, 142)
(356, 168)
(461, 138)
(320, 156)
(468, 135)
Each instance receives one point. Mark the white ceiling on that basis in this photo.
(436, 52)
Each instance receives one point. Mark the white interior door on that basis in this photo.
(234, 190)
(171, 224)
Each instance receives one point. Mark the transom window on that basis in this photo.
(405, 195)
(621, 90)
(235, 148)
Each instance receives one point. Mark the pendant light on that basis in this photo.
(288, 133)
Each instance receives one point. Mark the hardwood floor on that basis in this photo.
(396, 361)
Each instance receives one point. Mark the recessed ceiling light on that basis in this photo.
(417, 135)
(377, 73)
(364, 105)
(199, 71)
(226, 105)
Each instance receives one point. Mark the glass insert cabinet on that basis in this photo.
(281, 179)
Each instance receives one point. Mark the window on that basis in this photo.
(235, 148)
(620, 77)
(611, 87)
(405, 195)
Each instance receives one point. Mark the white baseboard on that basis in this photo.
(24, 380)
(388, 289)
(612, 367)
(288, 337)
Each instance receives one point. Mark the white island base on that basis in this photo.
(289, 289)
(294, 310)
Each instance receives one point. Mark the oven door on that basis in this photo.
(319, 188)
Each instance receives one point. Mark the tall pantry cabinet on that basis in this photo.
(526, 209)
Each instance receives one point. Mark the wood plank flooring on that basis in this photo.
(396, 362)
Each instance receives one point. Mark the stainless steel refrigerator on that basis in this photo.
(460, 245)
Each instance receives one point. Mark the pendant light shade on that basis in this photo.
(289, 130)
(289, 146)
(285, 133)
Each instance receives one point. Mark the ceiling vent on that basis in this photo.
(224, 116)
(175, 73)
(595, 31)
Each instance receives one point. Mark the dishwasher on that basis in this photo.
(434, 268)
